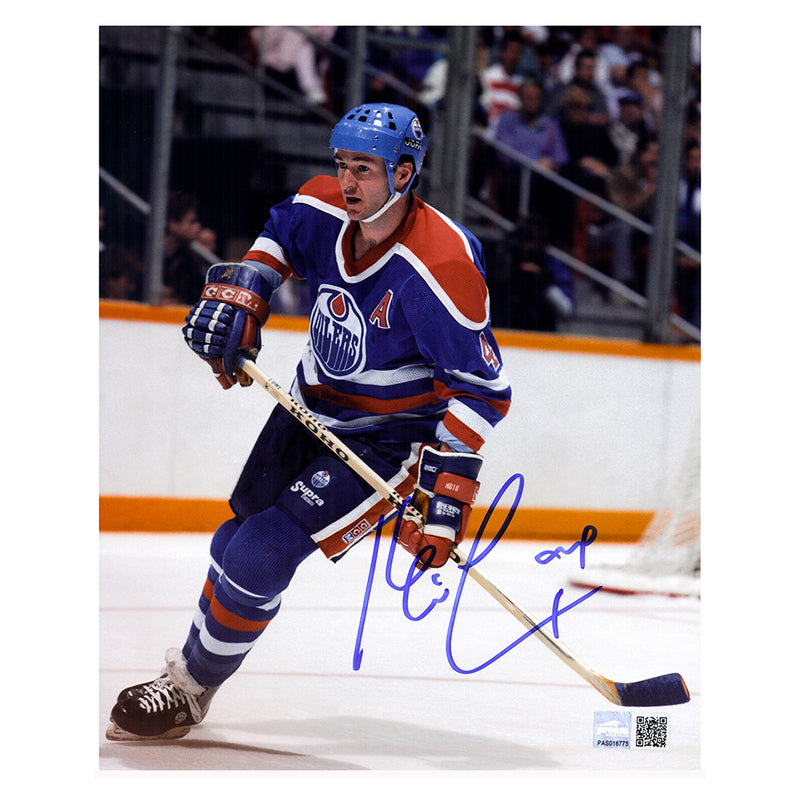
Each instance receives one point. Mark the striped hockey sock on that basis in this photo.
(234, 621)
(252, 563)
(220, 541)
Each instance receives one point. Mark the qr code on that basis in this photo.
(651, 731)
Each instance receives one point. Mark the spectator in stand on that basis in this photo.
(500, 81)
(530, 289)
(688, 269)
(629, 128)
(532, 38)
(536, 136)
(586, 39)
(632, 188)
(208, 239)
(610, 64)
(411, 63)
(291, 55)
(395, 55)
(617, 50)
(120, 270)
(620, 52)
(646, 82)
(583, 79)
(120, 274)
(592, 154)
(530, 131)
(184, 271)
(693, 126)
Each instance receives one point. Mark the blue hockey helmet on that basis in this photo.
(385, 130)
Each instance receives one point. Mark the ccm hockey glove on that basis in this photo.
(446, 490)
(227, 318)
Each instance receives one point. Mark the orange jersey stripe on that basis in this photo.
(265, 258)
(463, 432)
(373, 405)
(445, 392)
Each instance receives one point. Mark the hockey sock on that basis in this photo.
(258, 564)
(219, 542)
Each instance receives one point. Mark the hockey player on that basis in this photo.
(400, 363)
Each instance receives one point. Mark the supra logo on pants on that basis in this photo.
(308, 495)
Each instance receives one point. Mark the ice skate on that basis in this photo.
(136, 691)
(165, 708)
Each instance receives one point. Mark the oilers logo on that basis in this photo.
(416, 130)
(337, 332)
(320, 479)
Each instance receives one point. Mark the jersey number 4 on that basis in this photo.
(489, 356)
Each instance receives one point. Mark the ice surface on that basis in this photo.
(298, 703)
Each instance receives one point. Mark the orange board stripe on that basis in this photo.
(174, 315)
(119, 514)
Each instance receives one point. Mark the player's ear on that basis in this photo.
(403, 175)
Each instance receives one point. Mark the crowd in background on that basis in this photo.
(584, 102)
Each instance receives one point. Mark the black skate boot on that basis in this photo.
(136, 691)
(165, 708)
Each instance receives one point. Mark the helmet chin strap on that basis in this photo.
(387, 205)
(395, 196)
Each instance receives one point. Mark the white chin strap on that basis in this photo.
(386, 206)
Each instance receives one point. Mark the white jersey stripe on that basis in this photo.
(321, 205)
(470, 418)
(266, 245)
(498, 384)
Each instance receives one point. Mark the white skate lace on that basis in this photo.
(162, 694)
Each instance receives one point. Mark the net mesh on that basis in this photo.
(666, 559)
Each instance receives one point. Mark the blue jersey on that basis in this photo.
(400, 346)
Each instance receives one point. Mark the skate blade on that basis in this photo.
(116, 734)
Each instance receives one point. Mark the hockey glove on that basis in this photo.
(228, 318)
(446, 489)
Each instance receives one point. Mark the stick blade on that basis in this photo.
(665, 690)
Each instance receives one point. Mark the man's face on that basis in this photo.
(364, 183)
(511, 56)
(187, 227)
(531, 99)
(649, 161)
(630, 113)
(584, 69)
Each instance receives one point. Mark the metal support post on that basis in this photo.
(357, 47)
(661, 264)
(160, 166)
(458, 119)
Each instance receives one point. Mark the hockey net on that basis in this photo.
(666, 559)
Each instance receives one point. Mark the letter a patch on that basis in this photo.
(380, 316)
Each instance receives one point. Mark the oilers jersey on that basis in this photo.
(400, 346)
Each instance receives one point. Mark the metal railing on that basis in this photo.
(450, 124)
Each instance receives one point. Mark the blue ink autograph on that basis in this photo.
(587, 537)
(473, 559)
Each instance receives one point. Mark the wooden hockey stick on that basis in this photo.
(664, 690)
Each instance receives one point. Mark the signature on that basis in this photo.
(475, 556)
(587, 537)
